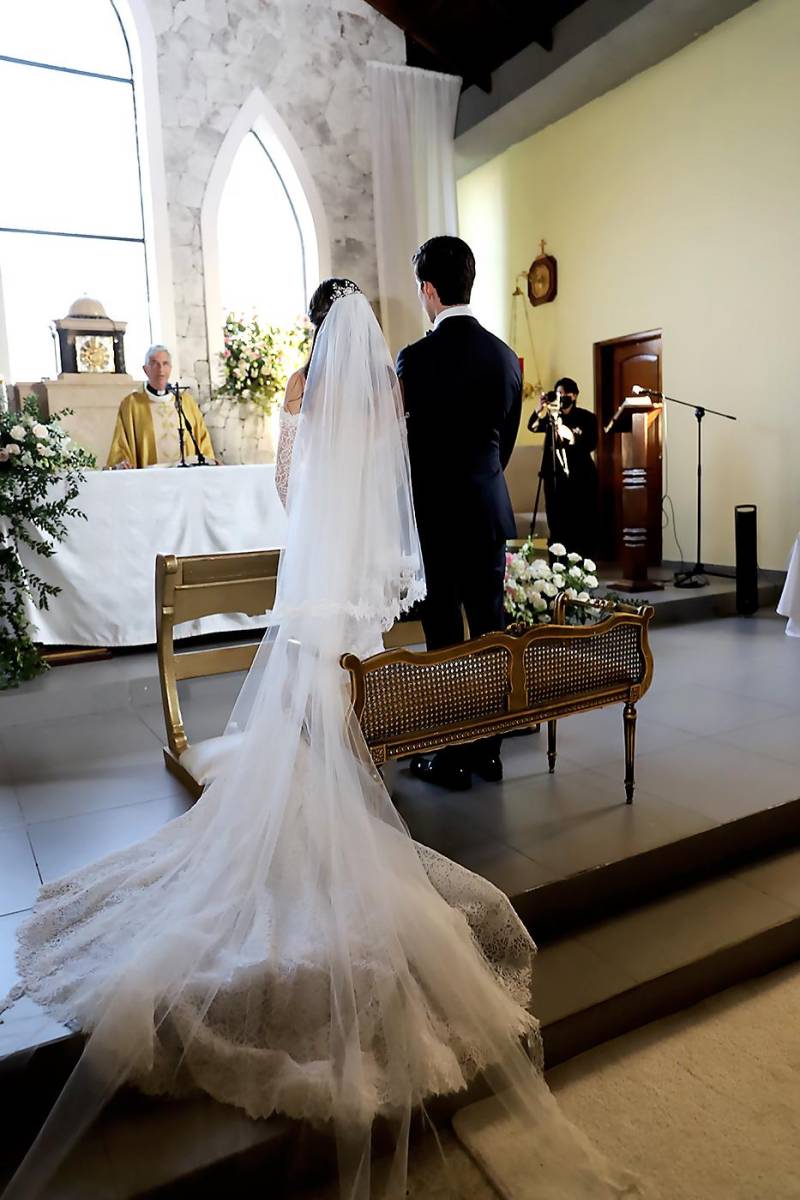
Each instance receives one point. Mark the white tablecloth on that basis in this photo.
(789, 603)
(106, 566)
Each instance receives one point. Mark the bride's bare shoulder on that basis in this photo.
(294, 391)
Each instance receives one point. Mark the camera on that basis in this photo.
(549, 409)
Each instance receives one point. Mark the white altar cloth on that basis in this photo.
(789, 603)
(106, 565)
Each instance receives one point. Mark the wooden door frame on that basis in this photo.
(601, 356)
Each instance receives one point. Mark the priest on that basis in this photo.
(146, 432)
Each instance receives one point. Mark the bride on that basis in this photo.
(285, 946)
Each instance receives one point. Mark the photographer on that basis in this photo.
(568, 470)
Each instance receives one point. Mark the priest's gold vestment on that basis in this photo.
(146, 431)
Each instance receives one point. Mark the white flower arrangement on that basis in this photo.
(258, 359)
(532, 585)
(33, 456)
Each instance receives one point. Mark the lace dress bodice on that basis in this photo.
(287, 423)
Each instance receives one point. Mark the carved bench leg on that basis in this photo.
(551, 746)
(629, 725)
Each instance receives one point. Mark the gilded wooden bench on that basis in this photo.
(411, 702)
(202, 586)
(206, 585)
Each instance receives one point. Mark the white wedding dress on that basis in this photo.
(285, 946)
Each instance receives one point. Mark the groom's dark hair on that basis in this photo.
(449, 264)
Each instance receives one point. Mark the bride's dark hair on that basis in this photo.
(320, 305)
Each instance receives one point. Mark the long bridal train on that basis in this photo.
(285, 945)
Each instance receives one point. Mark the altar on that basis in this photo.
(105, 566)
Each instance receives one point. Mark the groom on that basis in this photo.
(463, 398)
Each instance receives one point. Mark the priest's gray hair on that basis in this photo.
(157, 349)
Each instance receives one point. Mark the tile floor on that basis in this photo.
(719, 736)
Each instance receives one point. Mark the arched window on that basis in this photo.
(265, 236)
(262, 259)
(71, 210)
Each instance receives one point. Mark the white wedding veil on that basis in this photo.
(285, 946)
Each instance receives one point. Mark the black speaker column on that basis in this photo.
(746, 559)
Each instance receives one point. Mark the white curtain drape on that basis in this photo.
(413, 121)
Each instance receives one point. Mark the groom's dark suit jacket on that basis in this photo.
(463, 396)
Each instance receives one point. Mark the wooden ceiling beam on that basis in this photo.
(418, 20)
(472, 38)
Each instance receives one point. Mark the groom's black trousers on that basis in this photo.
(469, 576)
(464, 575)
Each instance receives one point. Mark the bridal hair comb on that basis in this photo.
(342, 288)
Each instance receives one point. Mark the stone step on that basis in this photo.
(610, 977)
(555, 908)
(616, 974)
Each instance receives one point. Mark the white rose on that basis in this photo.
(18, 432)
(571, 594)
(584, 596)
(540, 569)
(558, 549)
(589, 565)
(550, 589)
(590, 581)
(539, 604)
(540, 585)
(47, 451)
(26, 459)
(558, 567)
(12, 448)
(42, 450)
(572, 557)
(40, 431)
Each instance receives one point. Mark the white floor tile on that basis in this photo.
(66, 844)
(19, 879)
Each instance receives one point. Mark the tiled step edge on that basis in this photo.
(553, 909)
(673, 991)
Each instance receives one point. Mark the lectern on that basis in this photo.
(631, 422)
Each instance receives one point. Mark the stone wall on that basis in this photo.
(309, 58)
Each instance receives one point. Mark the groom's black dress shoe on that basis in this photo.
(442, 772)
(490, 769)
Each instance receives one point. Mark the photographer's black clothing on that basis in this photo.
(570, 497)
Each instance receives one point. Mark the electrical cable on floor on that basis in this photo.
(666, 499)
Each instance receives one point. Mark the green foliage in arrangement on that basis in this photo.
(41, 471)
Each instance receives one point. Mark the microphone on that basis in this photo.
(640, 391)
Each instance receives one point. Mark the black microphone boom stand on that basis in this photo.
(696, 577)
(183, 420)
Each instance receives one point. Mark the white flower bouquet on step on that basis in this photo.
(532, 585)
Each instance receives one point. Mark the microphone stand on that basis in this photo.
(183, 420)
(694, 578)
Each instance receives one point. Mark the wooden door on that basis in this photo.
(619, 364)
